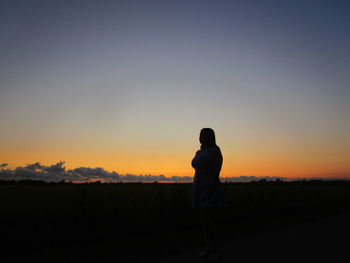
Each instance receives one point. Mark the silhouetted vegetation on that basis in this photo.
(116, 218)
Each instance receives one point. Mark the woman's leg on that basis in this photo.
(209, 228)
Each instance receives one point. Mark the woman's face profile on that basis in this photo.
(202, 137)
(207, 137)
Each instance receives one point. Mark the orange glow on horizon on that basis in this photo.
(176, 165)
(173, 158)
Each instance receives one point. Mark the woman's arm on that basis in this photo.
(201, 160)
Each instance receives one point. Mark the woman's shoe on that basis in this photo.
(204, 253)
(214, 256)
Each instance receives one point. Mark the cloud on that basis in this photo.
(247, 178)
(57, 173)
(55, 168)
(3, 165)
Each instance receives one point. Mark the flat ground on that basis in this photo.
(324, 240)
(320, 240)
(267, 222)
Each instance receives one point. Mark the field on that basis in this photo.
(96, 222)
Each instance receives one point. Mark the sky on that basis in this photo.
(127, 85)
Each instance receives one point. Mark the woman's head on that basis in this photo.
(207, 138)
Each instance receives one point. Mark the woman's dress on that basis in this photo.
(207, 188)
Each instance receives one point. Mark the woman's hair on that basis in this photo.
(208, 137)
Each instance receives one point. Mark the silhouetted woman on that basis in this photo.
(207, 192)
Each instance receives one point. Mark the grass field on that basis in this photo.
(70, 222)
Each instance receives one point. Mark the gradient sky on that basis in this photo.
(127, 85)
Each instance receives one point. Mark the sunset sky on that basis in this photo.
(127, 85)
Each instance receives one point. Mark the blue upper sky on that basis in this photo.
(262, 73)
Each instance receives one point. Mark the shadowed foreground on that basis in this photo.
(323, 240)
(267, 221)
